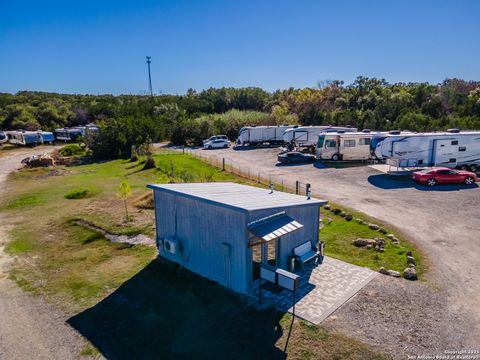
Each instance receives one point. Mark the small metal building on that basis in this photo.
(225, 231)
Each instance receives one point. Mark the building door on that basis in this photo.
(266, 254)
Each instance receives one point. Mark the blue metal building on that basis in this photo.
(225, 231)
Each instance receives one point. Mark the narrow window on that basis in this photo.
(462, 148)
(349, 143)
(455, 142)
(452, 160)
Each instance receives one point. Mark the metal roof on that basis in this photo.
(274, 226)
(237, 195)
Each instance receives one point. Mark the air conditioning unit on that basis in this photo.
(171, 246)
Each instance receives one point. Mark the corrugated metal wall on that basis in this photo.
(202, 228)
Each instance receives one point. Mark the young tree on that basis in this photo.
(124, 191)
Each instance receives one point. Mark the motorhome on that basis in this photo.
(24, 138)
(3, 137)
(46, 136)
(453, 149)
(344, 146)
(69, 134)
(255, 135)
(307, 136)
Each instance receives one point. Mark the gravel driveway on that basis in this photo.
(444, 222)
(29, 327)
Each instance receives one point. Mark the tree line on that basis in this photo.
(366, 103)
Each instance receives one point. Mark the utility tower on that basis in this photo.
(149, 60)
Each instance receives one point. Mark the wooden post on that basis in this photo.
(223, 164)
(297, 186)
(183, 149)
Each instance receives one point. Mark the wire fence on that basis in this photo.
(280, 183)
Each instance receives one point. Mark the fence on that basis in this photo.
(264, 178)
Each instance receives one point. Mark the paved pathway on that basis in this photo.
(323, 289)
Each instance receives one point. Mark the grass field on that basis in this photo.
(118, 293)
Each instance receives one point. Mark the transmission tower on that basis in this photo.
(149, 60)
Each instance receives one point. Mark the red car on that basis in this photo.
(441, 175)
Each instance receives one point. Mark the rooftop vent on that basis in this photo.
(454, 131)
(366, 130)
(341, 131)
(394, 132)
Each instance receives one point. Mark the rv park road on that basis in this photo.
(29, 327)
(443, 222)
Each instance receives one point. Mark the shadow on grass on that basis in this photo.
(389, 182)
(166, 313)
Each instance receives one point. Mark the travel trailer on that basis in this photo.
(255, 135)
(453, 149)
(3, 137)
(69, 134)
(46, 136)
(307, 136)
(24, 138)
(344, 146)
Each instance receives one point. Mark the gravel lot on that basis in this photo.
(444, 222)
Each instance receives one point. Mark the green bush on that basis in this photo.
(78, 194)
(72, 150)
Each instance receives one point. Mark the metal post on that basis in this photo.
(183, 149)
(307, 188)
(149, 75)
(293, 307)
(223, 164)
(282, 184)
(297, 186)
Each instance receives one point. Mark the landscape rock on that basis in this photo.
(343, 214)
(373, 226)
(360, 242)
(382, 231)
(348, 217)
(394, 273)
(329, 220)
(326, 207)
(336, 211)
(410, 274)
(391, 236)
(411, 260)
(412, 265)
(409, 253)
(383, 271)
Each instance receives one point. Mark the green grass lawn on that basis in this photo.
(340, 233)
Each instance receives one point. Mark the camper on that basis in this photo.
(344, 146)
(69, 134)
(307, 136)
(453, 149)
(46, 136)
(255, 135)
(24, 138)
(3, 137)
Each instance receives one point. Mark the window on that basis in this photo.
(462, 148)
(349, 143)
(452, 160)
(321, 140)
(452, 172)
(454, 142)
(443, 172)
(330, 143)
(364, 141)
(420, 162)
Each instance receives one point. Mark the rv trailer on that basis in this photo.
(344, 146)
(3, 137)
(255, 135)
(453, 149)
(69, 134)
(307, 136)
(46, 136)
(24, 138)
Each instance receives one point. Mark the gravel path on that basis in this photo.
(30, 328)
(444, 222)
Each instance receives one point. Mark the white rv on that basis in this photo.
(3, 137)
(344, 146)
(254, 135)
(24, 138)
(453, 149)
(307, 136)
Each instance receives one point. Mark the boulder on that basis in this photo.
(329, 220)
(412, 265)
(360, 242)
(411, 260)
(336, 211)
(391, 236)
(382, 231)
(409, 253)
(373, 226)
(410, 274)
(394, 273)
(348, 217)
(343, 214)
(383, 271)
(326, 207)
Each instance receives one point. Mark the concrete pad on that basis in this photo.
(323, 289)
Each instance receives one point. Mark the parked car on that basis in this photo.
(295, 157)
(216, 144)
(216, 137)
(441, 175)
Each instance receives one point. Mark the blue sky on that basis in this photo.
(99, 46)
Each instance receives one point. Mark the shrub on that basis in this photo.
(77, 194)
(72, 150)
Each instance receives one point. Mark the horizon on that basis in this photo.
(100, 48)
